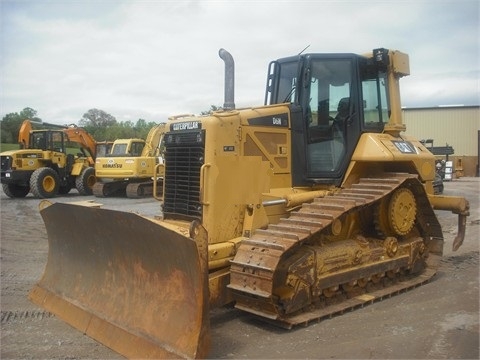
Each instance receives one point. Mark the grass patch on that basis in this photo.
(7, 147)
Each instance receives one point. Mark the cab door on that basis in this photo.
(331, 126)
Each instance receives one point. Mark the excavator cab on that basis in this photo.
(127, 147)
(47, 140)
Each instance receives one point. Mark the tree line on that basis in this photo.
(101, 125)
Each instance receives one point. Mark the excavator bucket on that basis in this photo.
(128, 282)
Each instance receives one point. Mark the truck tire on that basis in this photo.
(15, 191)
(44, 183)
(85, 181)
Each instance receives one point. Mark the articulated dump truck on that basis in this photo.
(315, 203)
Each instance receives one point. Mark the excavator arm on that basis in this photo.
(73, 132)
(153, 141)
(24, 134)
(81, 136)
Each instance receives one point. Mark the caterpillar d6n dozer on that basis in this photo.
(309, 205)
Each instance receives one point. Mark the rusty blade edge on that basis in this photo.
(114, 337)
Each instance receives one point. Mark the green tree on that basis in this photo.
(105, 127)
(29, 113)
(97, 118)
(98, 123)
(125, 130)
(142, 127)
(141, 124)
(10, 124)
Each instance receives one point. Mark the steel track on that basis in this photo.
(257, 259)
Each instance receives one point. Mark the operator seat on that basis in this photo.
(338, 131)
(327, 154)
(343, 113)
(343, 110)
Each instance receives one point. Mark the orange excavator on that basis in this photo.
(45, 165)
(312, 204)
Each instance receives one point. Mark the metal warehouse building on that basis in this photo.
(456, 126)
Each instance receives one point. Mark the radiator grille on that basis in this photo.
(184, 156)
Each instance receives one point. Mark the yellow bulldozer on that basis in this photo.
(132, 166)
(45, 165)
(296, 210)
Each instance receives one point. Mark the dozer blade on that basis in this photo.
(126, 281)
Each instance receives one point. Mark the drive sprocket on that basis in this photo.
(395, 215)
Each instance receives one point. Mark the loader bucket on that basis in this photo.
(126, 281)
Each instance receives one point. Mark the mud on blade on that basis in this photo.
(126, 281)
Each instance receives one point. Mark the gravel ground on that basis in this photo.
(436, 321)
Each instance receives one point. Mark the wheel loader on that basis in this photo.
(132, 166)
(310, 205)
(44, 166)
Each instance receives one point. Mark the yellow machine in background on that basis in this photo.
(103, 148)
(310, 205)
(43, 165)
(131, 166)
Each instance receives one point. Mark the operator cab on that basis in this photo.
(48, 140)
(127, 148)
(333, 99)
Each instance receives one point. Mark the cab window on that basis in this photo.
(375, 98)
(119, 150)
(137, 148)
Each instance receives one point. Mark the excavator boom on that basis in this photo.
(24, 134)
(79, 135)
(153, 142)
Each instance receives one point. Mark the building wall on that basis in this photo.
(457, 126)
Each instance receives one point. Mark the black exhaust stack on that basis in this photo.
(229, 79)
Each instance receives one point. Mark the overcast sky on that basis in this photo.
(153, 59)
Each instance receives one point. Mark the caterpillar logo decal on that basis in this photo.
(186, 125)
